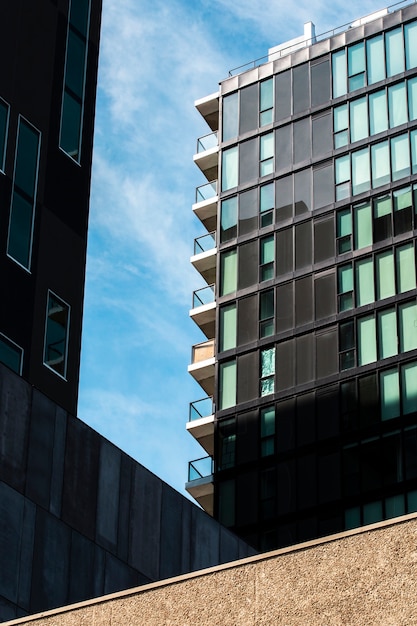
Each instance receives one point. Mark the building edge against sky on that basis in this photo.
(309, 363)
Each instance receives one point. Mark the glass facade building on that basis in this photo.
(313, 321)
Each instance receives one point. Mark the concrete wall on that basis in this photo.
(360, 578)
(79, 518)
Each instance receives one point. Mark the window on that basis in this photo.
(397, 105)
(56, 334)
(378, 112)
(228, 219)
(382, 218)
(342, 174)
(403, 210)
(387, 333)
(340, 126)
(11, 354)
(339, 73)
(390, 394)
(344, 231)
(364, 280)
(385, 275)
(22, 209)
(406, 268)
(227, 384)
(4, 122)
(346, 345)
(267, 258)
(267, 371)
(230, 116)
(266, 105)
(358, 119)
(268, 431)
(74, 79)
(380, 164)
(409, 387)
(412, 99)
(361, 175)
(266, 165)
(266, 313)
(227, 443)
(345, 287)
(394, 46)
(228, 327)
(230, 168)
(407, 314)
(356, 66)
(266, 205)
(228, 272)
(362, 215)
(375, 57)
(400, 157)
(366, 340)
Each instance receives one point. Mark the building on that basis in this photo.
(310, 316)
(47, 102)
(78, 517)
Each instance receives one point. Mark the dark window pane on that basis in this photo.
(284, 198)
(304, 359)
(302, 191)
(248, 160)
(26, 168)
(325, 296)
(283, 152)
(10, 354)
(20, 230)
(247, 326)
(323, 187)
(301, 88)
(324, 239)
(348, 405)
(56, 335)
(303, 252)
(301, 140)
(71, 126)
(322, 134)
(283, 95)
(285, 364)
(368, 400)
(303, 301)
(285, 308)
(326, 353)
(249, 108)
(248, 264)
(79, 14)
(247, 383)
(284, 252)
(320, 83)
(74, 73)
(306, 419)
(4, 117)
(248, 211)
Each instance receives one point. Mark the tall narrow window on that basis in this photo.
(266, 205)
(228, 327)
(362, 226)
(407, 314)
(364, 279)
(358, 119)
(341, 126)
(4, 122)
(375, 59)
(382, 218)
(387, 333)
(268, 431)
(410, 35)
(266, 154)
(366, 340)
(346, 345)
(228, 272)
(266, 108)
(412, 99)
(394, 46)
(342, 176)
(397, 105)
(267, 258)
(230, 168)
(56, 334)
(228, 219)
(390, 394)
(356, 66)
(267, 371)
(227, 384)
(409, 387)
(345, 287)
(11, 354)
(406, 268)
(230, 116)
(22, 210)
(378, 112)
(380, 164)
(74, 79)
(266, 313)
(339, 73)
(361, 175)
(344, 231)
(385, 275)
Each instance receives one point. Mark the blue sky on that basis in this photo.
(157, 58)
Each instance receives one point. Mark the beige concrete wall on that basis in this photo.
(360, 578)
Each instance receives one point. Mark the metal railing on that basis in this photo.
(203, 296)
(202, 351)
(205, 243)
(207, 142)
(200, 468)
(206, 191)
(201, 408)
(326, 35)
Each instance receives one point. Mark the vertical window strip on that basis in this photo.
(11, 354)
(4, 125)
(23, 201)
(56, 334)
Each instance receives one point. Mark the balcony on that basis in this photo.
(205, 257)
(200, 482)
(205, 206)
(208, 107)
(201, 423)
(203, 311)
(202, 365)
(207, 156)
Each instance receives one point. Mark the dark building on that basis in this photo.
(47, 100)
(310, 313)
(78, 517)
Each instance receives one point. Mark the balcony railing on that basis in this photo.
(205, 243)
(202, 351)
(200, 468)
(203, 296)
(207, 142)
(206, 192)
(201, 408)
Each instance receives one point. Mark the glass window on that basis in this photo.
(407, 314)
(410, 36)
(227, 443)
(394, 46)
(375, 58)
(409, 387)
(345, 287)
(266, 205)
(412, 98)
(56, 334)
(413, 142)
(361, 175)
(400, 157)
(406, 268)
(347, 345)
(390, 394)
(358, 119)
(266, 313)
(227, 384)
(387, 333)
(230, 116)
(344, 231)
(22, 208)
(378, 112)
(356, 66)
(385, 275)
(382, 218)
(403, 210)
(266, 102)
(342, 175)
(267, 258)
(267, 431)
(339, 73)
(11, 354)
(380, 164)
(79, 15)
(365, 292)
(341, 126)
(267, 371)
(228, 272)
(397, 105)
(362, 226)
(366, 340)
(230, 168)
(4, 121)
(228, 219)
(228, 326)
(267, 154)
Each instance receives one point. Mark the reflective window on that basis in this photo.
(406, 268)
(268, 431)
(407, 314)
(227, 384)
(230, 116)
(362, 226)
(361, 173)
(413, 142)
(412, 98)
(344, 231)
(385, 275)
(22, 210)
(347, 345)
(11, 354)
(266, 313)
(228, 327)
(356, 66)
(358, 119)
(267, 371)
(397, 104)
(266, 105)
(409, 387)
(228, 272)
(56, 334)
(378, 113)
(228, 219)
(410, 35)
(230, 168)
(390, 394)
(345, 287)
(341, 126)
(339, 73)
(342, 175)
(266, 205)
(375, 57)
(364, 280)
(400, 157)
(366, 340)
(382, 218)
(4, 122)
(266, 165)
(394, 46)
(267, 258)
(380, 164)
(387, 333)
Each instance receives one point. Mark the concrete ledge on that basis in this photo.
(361, 577)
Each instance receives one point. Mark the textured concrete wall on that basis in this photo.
(362, 578)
